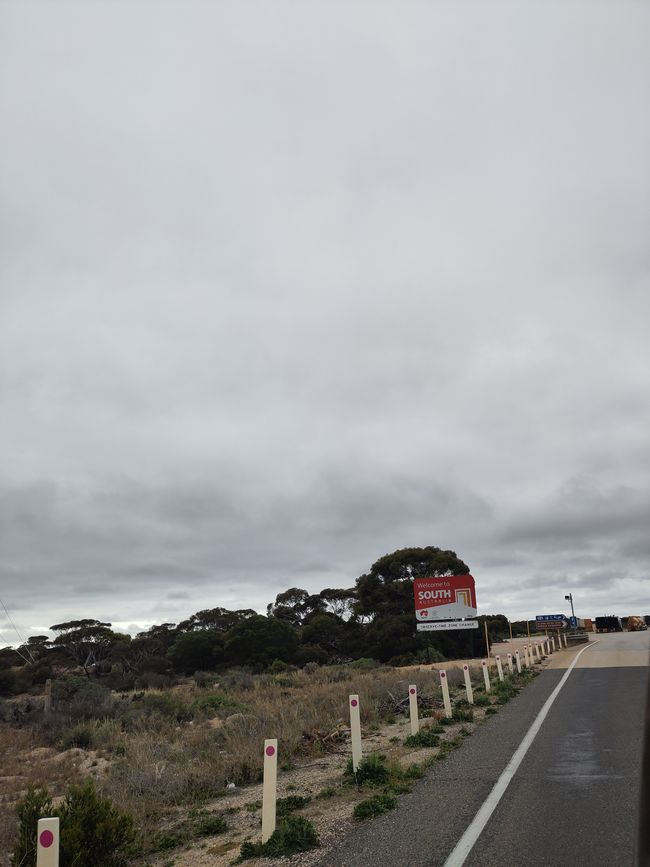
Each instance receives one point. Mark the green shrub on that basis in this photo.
(424, 738)
(364, 664)
(293, 834)
(371, 771)
(208, 824)
(94, 833)
(287, 805)
(460, 714)
(490, 710)
(36, 805)
(374, 806)
(327, 792)
(413, 772)
(80, 736)
(481, 701)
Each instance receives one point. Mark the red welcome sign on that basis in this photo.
(444, 598)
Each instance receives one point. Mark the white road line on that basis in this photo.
(466, 843)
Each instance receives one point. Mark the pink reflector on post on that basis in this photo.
(46, 839)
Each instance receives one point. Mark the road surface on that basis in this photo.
(573, 799)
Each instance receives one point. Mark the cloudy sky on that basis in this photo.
(286, 286)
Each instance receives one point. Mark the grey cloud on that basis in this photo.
(285, 289)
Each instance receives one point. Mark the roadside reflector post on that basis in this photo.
(355, 731)
(538, 652)
(526, 659)
(553, 643)
(518, 660)
(47, 843)
(445, 692)
(269, 788)
(565, 640)
(413, 709)
(499, 666)
(486, 675)
(510, 663)
(468, 684)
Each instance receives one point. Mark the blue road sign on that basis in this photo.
(550, 617)
(573, 621)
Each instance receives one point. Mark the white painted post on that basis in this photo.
(355, 731)
(510, 663)
(518, 660)
(269, 788)
(468, 684)
(486, 674)
(538, 652)
(553, 642)
(445, 692)
(524, 659)
(566, 644)
(47, 843)
(413, 708)
(499, 667)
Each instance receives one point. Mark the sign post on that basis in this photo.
(468, 684)
(47, 843)
(413, 709)
(518, 661)
(269, 788)
(445, 693)
(355, 731)
(486, 674)
(499, 667)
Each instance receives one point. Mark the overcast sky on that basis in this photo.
(286, 286)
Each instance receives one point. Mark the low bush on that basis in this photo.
(461, 714)
(424, 738)
(293, 834)
(287, 805)
(481, 701)
(374, 806)
(370, 772)
(80, 737)
(94, 833)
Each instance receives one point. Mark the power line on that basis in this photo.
(22, 640)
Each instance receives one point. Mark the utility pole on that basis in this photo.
(569, 598)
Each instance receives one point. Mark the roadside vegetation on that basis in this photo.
(168, 725)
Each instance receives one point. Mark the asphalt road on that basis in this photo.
(574, 798)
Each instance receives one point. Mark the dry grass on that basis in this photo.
(161, 751)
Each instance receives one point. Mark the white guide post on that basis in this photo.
(47, 843)
(486, 674)
(566, 644)
(510, 663)
(355, 731)
(518, 660)
(413, 709)
(269, 788)
(445, 692)
(538, 653)
(524, 659)
(499, 667)
(468, 684)
(553, 642)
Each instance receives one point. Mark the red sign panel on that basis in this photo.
(445, 598)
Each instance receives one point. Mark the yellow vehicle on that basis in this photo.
(636, 623)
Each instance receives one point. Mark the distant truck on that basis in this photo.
(586, 623)
(635, 623)
(608, 624)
